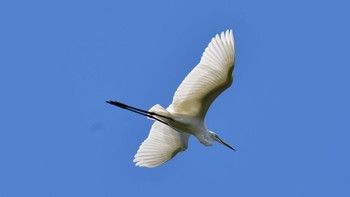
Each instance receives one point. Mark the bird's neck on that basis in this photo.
(205, 138)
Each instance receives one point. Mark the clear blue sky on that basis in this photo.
(287, 113)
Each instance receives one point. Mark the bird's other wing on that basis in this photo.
(208, 79)
(162, 144)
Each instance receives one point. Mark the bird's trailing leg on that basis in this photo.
(140, 111)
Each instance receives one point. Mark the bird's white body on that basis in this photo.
(191, 125)
(185, 115)
(185, 124)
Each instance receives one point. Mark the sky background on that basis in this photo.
(287, 113)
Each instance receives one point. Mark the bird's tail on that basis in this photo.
(159, 112)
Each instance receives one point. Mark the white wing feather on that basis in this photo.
(193, 97)
(208, 79)
(162, 144)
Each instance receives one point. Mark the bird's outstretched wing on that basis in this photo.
(208, 79)
(162, 144)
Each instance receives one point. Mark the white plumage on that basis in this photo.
(208, 79)
(185, 115)
(162, 144)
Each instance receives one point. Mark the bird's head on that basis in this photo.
(215, 137)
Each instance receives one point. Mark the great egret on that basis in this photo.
(185, 115)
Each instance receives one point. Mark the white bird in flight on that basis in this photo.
(185, 115)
